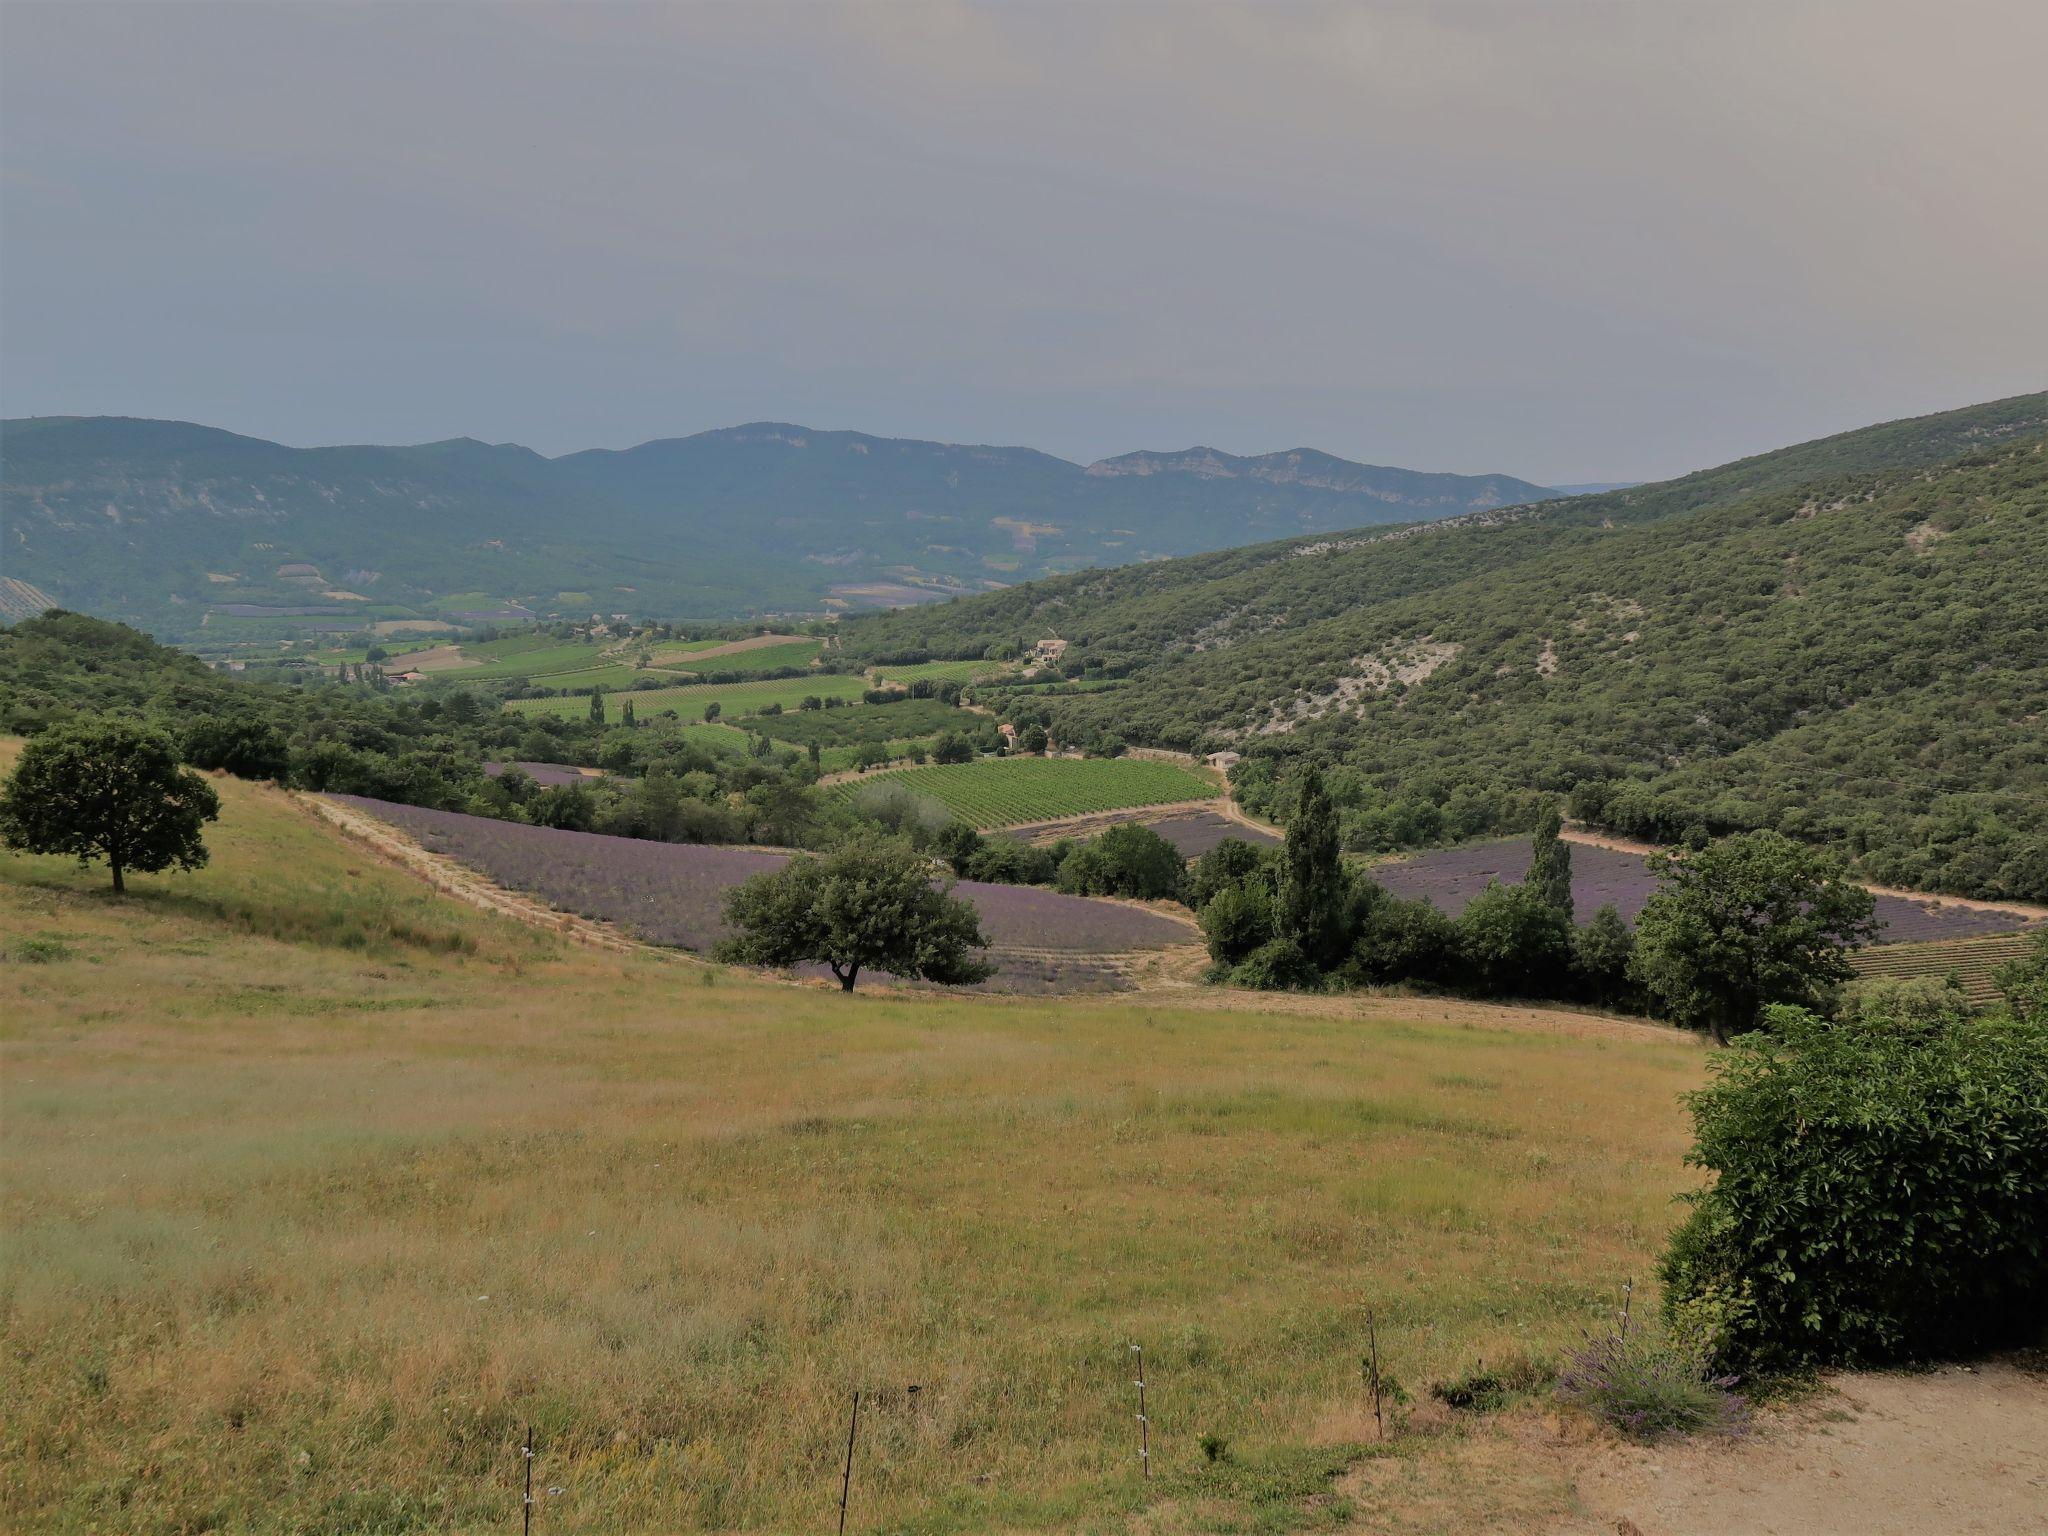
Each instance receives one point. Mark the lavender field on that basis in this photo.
(1450, 877)
(1194, 833)
(673, 893)
(546, 775)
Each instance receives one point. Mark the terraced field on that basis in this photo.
(733, 699)
(1008, 791)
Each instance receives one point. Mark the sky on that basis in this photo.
(1567, 241)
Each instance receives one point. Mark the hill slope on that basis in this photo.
(183, 528)
(1847, 640)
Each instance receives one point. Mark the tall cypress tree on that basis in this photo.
(1312, 906)
(597, 706)
(1550, 863)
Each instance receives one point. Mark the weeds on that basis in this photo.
(1647, 1387)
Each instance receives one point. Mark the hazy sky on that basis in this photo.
(1568, 241)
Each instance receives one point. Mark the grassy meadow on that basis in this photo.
(319, 1186)
(1010, 791)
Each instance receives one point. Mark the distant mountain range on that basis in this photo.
(187, 530)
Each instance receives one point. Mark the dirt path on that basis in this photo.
(1949, 1451)
(1575, 833)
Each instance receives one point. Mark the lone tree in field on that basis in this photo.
(597, 705)
(869, 903)
(1550, 864)
(1744, 923)
(107, 790)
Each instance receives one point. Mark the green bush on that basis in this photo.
(1236, 921)
(1881, 1188)
(1127, 860)
(1514, 941)
(2025, 983)
(1276, 966)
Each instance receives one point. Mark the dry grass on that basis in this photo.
(318, 1186)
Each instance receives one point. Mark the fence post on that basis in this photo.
(526, 1498)
(1144, 1420)
(1373, 1334)
(846, 1478)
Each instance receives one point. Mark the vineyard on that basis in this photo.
(1972, 961)
(1006, 791)
(733, 699)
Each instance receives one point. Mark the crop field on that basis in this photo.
(997, 792)
(672, 893)
(733, 699)
(320, 1187)
(547, 775)
(1192, 833)
(1450, 877)
(547, 660)
(1973, 962)
(766, 658)
(613, 677)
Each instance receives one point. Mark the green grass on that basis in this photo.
(615, 676)
(767, 658)
(734, 699)
(996, 792)
(319, 1187)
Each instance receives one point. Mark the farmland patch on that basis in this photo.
(673, 893)
(1450, 877)
(998, 792)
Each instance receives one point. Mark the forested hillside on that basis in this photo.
(196, 533)
(1847, 640)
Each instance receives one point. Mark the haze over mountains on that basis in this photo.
(179, 528)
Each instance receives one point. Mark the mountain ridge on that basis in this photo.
(170, 525)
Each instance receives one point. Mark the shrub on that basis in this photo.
(1600, 955)
(1276, 966)
(1127, 860)
(1231, 862)
(1646, 1386)
(1403, 941)
(1237, 920)
(1481, 1390)
(1881, 1188)
(1513, 940)
(2025, 983)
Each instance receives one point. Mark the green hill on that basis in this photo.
(193, 532)
(1847, 640)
